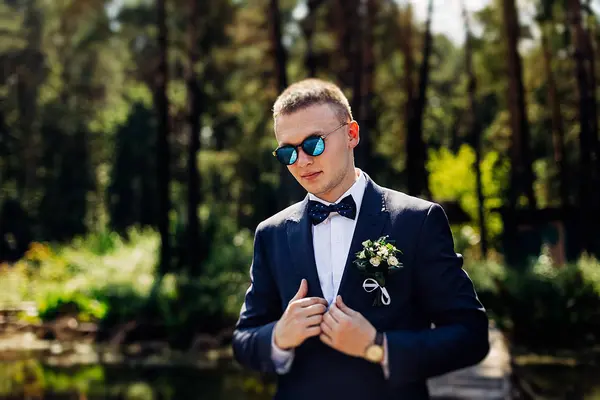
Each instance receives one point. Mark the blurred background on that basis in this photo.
(135, 165)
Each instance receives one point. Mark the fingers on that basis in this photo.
(326, 339)
(302, 291)
(308, 301)
(336, 313)
(314, 320)
(329, 320)
(327, 329)
(315, 309)
(342, 306)
(312, 331)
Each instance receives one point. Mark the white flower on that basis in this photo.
(362, 255)
(375, 261)
(393, 261)
(365, 243)
(383, 252)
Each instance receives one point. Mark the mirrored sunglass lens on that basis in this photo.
(314, 146)
(287, 155)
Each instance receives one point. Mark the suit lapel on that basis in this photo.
(371, 221)
(300, 241)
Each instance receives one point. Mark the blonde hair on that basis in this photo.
(309, 92)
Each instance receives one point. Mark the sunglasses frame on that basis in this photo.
(296, 147)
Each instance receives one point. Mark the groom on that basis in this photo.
(309, 314)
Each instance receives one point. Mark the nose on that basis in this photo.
(303, 158)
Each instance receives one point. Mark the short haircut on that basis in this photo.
(309, 92)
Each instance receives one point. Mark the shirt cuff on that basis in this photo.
(385, 363)
(282, 359)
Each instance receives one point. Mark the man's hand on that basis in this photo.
(301, 319)
(347, 330)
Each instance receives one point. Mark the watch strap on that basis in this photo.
(379, 339)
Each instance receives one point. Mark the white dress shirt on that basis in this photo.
(332, 239)
(331, 242)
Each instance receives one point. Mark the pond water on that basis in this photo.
(32, 379)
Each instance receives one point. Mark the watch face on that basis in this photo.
(375, 353)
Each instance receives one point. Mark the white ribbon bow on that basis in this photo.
(371, 284)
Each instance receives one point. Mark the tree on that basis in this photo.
(415, 146)
(279, 53)
(363, 96)
(521, 172)
(588, 123)
(346, 64)
(475, 130)
(558, 125)
(196, 248)
(162, 145)
(288, 189)
(309, 27)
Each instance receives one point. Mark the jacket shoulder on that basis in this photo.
(278, 220)
(400, 202)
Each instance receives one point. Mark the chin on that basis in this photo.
(314, 189)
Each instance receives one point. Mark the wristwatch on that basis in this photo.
(375, 351)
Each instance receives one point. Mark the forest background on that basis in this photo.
(136, 140)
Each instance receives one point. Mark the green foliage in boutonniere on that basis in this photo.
(378, 259)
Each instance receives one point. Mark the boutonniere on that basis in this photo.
(377, 260)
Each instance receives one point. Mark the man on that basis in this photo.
(309, 314)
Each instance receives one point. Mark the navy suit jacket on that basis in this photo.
(431, 288)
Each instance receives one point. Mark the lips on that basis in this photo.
(310, 175)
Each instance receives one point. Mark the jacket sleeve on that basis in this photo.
(446, 294)
(261, 309)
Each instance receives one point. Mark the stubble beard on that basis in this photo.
(333, 183)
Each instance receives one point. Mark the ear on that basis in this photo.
(353, 134)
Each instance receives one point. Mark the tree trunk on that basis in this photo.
(162, 148)
(309, 26)
(475, 133)
(196, 247)
(416, 155)
(279, 52)
(348, 38)
(23, 177)
(593, 105)
(288, 190)
(406, 39)
(365, 112)
(5, 159)
(356, 25)
(521, 170)
(406, 47)
(456, 124)
(29, 75)
(558, 126)
(585, 121)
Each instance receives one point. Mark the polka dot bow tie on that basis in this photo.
(318, 212)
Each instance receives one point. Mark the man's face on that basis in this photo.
(319, 175)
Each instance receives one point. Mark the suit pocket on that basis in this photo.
(399, 309)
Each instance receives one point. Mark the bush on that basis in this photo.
(452, 178)
(55, 304)
(107, 278)
(488, 277)
(543, 307)
(79, 278)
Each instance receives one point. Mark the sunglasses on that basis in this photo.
(313, 145)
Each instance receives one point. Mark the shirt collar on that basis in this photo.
(357, 191)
